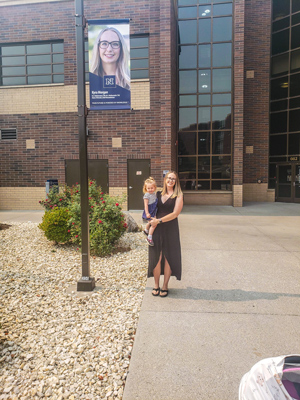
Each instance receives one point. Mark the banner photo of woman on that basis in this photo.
(109, 64)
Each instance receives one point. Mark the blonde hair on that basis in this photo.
(122, 74)
(177, 189)
(149, 181)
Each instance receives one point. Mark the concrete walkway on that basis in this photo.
(237, 303)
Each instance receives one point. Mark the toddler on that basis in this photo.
(150, 206)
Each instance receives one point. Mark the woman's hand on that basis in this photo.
(154, 221)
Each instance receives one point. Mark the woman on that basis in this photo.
(165, 255)
(110, 56)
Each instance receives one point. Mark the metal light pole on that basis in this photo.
(86, 283)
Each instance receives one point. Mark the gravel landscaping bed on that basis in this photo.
(54, 343)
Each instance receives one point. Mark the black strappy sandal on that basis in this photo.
(164, 291)
(157, 290)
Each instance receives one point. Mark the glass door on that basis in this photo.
(288, 183)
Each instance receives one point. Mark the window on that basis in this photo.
(204, 90)
(139, 57)
(8, 134)
(32, 63)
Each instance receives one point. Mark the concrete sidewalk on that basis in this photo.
(238, 302)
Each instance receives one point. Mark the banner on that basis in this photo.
(109, 64)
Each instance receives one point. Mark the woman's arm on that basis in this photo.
(172, 215)
(146, 202)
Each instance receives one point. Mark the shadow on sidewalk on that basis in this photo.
(191, 293)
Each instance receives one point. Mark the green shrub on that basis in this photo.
(106, 220)
(55, 224)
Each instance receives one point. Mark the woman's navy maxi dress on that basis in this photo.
(166, 240)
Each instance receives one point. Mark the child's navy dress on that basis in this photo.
(152, 205)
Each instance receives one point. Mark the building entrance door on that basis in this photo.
(288, 183)
(138, 171)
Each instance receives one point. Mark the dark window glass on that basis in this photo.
(58, 78)
(57, 47)
(204, 11)
(58, 58)
(204, 30)
(39, 49)
(39, 69)
(187, 2)
(187, 31)
(295, 37)
(222, 55)
(221, 185)
(139, 74)
(187, 118)
(272, 171)
(203, 167)
(203, 143)
(281, 24)
(221, 167)
(279, 88)
(294, 120)
(13, 50)
(187, 143)
(281, 8)
(188, 185)
(203, 185)
(295, 103)
(187, 81)
(141, 63)
(295, 85)
(187, 12)
(222, 80)
(219, 1)
(58, 69)
(222, 29)
(187, 167)
(11, 71)
(219, 99)
(221, 117)
(36, 80)
(188, 100)
(278, 122)
(295, 19)
(280, 64)
(279, 105)
(139, 41)
(187, 57)
(278, 159)
(222, 9)
(204, 81)
(204, 99)
(44, 59)
(221, 142)
(14, 81)
(280, 42)
(204, 56)
(138, 53)
(284, 190)
(295, 60)
(13, 60)
(295, 6)
(278, 145)
(294, 144)
(203, 118)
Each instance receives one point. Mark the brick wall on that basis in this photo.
(48, 115)
(256, 104)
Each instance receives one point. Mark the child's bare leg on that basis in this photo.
(148, 226)
(151, 230)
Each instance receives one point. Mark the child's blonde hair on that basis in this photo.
(150, 181)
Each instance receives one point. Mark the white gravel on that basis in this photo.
(55, 344)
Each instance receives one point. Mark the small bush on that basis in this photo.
(55, 224)
(106, 220)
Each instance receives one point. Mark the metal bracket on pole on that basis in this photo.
(83, 20)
